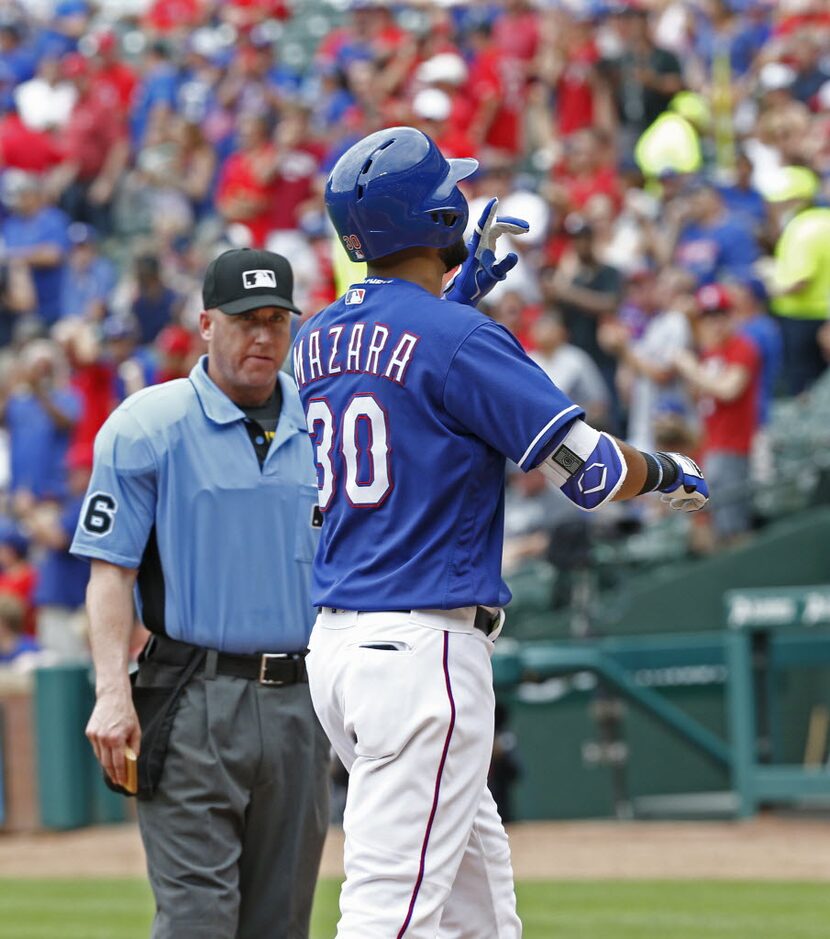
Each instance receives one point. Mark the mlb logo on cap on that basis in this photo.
(355, 295)
(251, 279)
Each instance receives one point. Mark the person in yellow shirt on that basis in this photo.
(800, 279)
(672, 142)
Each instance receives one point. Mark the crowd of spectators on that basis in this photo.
(671, 156)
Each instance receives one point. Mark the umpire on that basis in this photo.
(203, 503)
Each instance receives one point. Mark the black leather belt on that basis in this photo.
(268, 668)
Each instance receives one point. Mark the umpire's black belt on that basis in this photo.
(267, 668)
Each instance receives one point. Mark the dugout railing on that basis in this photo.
(765, 630)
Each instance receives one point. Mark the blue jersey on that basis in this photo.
(38, 445)
(223, 546)
(710, 251)
(62, 578)
(412, 405)
(48, 226)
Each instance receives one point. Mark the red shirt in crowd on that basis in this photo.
(239, 179)
(454, 142)
(730, 425)
(524, 327)
(575, 89)
(93, 129)
(292, 186)
(167, 15)
(815, 19)
(517, 36)
(118, 77)
(94, 384)
(21, 582)
(463, 110)
(496, 77)
(581, 189)
(25, 149)
(257, 10)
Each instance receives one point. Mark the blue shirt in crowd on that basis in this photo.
(154, 312)
(740, 44)
(62, 578)
(764, 331)
(158, 88)
(712, 251)
(38, 447)
(746, 205)
(48, 226)
(19, 63)
(81, 287)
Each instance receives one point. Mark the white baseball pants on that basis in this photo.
(407, 702)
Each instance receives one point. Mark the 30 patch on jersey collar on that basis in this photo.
(355, 295)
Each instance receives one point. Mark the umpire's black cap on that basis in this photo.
(243, 279)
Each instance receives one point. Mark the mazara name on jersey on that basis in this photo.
(368, 349)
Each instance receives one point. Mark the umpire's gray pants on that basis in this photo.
(234, 833)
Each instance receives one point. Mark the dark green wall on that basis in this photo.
(686, 596)
(644, 620)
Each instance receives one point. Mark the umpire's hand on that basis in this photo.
(113, 726)
(114, 723)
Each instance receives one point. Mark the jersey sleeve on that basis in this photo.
(496, 392)
(119, 509)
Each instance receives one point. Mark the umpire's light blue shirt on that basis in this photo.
(223, 548)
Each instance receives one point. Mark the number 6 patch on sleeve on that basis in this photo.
(100, 513)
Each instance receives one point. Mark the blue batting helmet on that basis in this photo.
(394, 190)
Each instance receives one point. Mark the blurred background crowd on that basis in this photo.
(671, 156)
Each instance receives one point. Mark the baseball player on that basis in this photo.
(202, 500)
(412, 402)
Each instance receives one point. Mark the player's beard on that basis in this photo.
(453, 254)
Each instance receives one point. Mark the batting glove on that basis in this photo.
(481, 271)
(689, 492)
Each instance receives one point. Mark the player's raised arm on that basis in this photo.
(477, 276)
(593, 468)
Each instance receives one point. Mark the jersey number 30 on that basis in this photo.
(367, 473)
